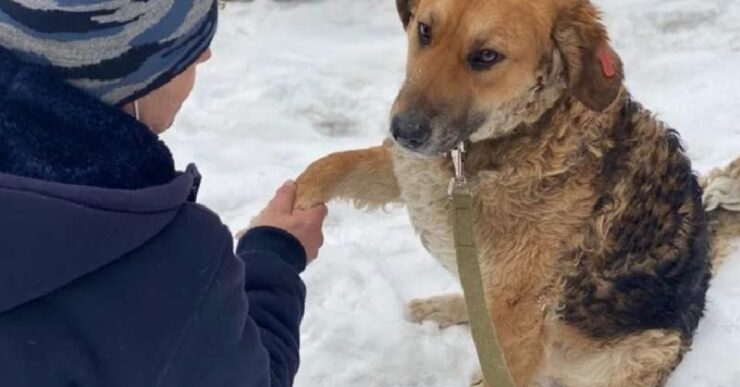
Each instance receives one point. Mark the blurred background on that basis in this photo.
(291, 81)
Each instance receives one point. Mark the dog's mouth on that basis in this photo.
(437, 140)
(435, 148)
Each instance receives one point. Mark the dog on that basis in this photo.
(594, 241)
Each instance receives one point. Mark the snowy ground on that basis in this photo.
(292, 82)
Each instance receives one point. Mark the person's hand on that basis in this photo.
(306, 225)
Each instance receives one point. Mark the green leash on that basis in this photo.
(492, 361)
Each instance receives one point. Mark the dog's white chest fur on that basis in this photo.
(424, 187)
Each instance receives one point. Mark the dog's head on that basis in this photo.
(477, 69)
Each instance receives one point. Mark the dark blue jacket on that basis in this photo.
(110, 273)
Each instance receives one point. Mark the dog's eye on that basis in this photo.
(425, 34)
(484, 59)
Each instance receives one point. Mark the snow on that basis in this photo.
(291, 82)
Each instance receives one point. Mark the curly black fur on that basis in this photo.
(653, 270)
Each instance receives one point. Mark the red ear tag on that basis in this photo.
(607, 62)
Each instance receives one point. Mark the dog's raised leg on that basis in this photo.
(363, 176)
(445, 310)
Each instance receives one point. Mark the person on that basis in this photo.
(110, 273)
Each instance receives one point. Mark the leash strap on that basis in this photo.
(490, 356)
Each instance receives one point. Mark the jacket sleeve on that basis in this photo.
(246, 330)
(273, 259)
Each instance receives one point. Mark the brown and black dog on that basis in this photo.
(594, 241)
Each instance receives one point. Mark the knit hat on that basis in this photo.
(116, 50)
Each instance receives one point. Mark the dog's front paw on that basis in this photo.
(445, 310)
(309, 196)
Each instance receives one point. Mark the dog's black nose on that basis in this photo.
(411, 130)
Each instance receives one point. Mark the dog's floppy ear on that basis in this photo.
(594, 70)
(406, 10)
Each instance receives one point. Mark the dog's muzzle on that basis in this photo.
(411, 130)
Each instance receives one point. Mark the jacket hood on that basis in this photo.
(52, 131)
(81, 183)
